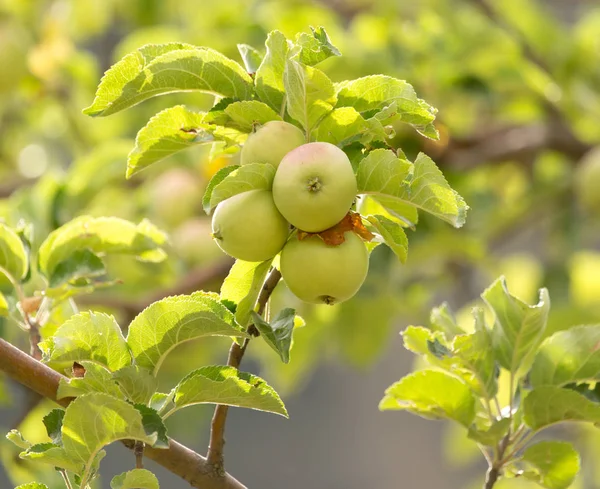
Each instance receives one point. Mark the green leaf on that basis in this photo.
(569, 356)
(315, 48)
(278, 334)
(431, 394)
(518, 328)
(32, 485)
(555, 464)
(53, 422)
(170, 131)
(49, 453)
(17, 439)
(100, 235)
(403, 211)
(492, 436)
(392, 234)
(269, 76)
(255, 176)
(160, 69)
(13, 255)
(214, 181)
(250, 56)
(82, 264)
(135, 479)
(95, 379)
(247, 114)
(378, 92)
(153, 424)
(309, 92)
(342, 126)
(382, 172)
(162, 326)
(229, 386)
(137, 383)
(93, 421)
(442, 319)
(430, 192)
(160, 401)
(88, 336)
(4, 306)
(243, 285)
(548, 405)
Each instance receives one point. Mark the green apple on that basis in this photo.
(175, 196)
(249, 227)
(271, 142)
(314, 186)
(321, 274)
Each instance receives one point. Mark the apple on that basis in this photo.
(322, 274)
(271, 142)
(314, 186)
(175, 196)
(249, 227)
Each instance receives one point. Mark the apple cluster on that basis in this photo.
(313, 190)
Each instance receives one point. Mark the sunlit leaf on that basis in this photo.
(269, 76)
(214, 181)
(81, 264)
(159, 69)
(278, 331)
(13, 256)
(54, 455)
(164, 325)
(316, 47)
(95, 379)
(247, 114)
(250, 56)
(227, 385)
(17, 439)
(137, 383)
(392, 234)
(135, 479)
(552, 464)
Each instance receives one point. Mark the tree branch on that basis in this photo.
(236, 353)
(178, 459)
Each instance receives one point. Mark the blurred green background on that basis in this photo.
(517, 85)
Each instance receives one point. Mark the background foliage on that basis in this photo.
(517, 91)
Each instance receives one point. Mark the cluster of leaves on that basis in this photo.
(505, 382)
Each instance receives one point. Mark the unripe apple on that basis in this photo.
(271, 142)
(175, 196)
(321, 274)
(587, 182)
(314, 186)
(193, 243)
(249, 227)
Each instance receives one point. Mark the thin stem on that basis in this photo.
(236, 353)
(495, 467)
(65, 477)
(138, 451)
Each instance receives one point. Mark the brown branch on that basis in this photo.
(178, 459)
(138, 451)
(236, 353)
(195, 280)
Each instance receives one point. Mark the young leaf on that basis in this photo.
(255, 176)
(251, 57)
(492, 436)
(95, 379)
(32, 485)
(277, 334)
(309, 92)
(162, 326)
(105, 235)
(316, 47)
(247, 114)
(378, 92)
(227, 385)
(393, 235)
(406, 213)
(153, 424)
(160, 69)
(269, 76)
(53, 422)
(52, 454)
(342, 126)
(13, 255)
(137, 383)
(214, 181)
(88, 336)
(442, 319)
(569, 356)
(431, 394)
(555, 464)
(93, 421)
(81, 264)
(243, 285)
(382, 172)
(548, 405)
(518, 328)
(430, 192)
(170, 131)
(135, 479)
(17, 439)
